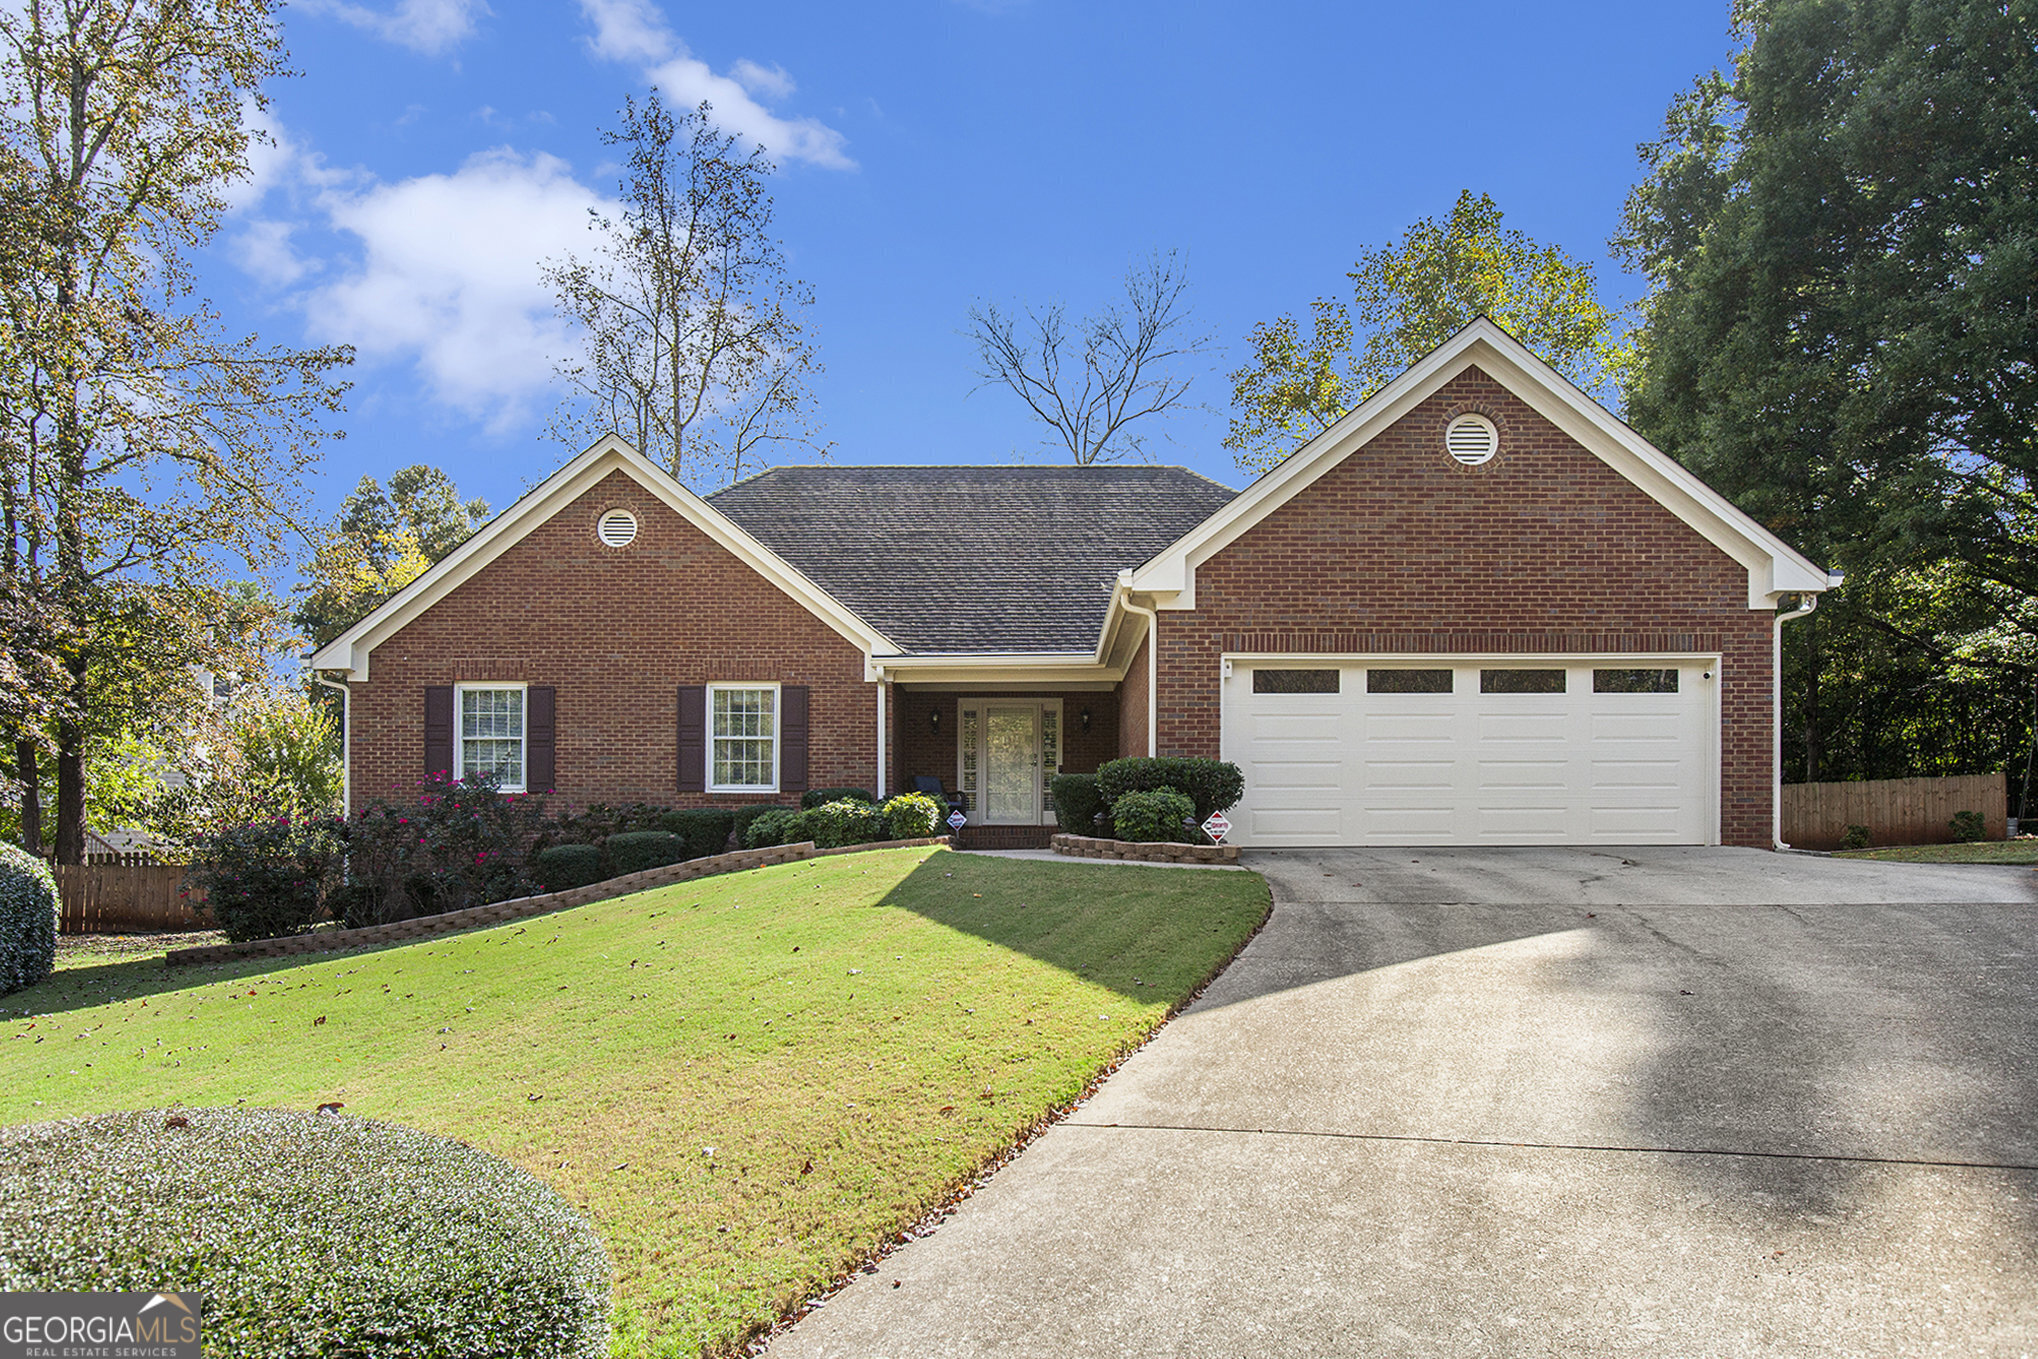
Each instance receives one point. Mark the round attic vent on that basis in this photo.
(1471, 439)
(617, 528)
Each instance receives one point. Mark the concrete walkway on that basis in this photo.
(1646, 1102)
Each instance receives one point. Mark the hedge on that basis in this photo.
(1076, 802)
(911, 816)
(746, 816)
(705, 829)
(777, 826)
(635, 851)
(1212, 785)
(28, 919)
(562, 866)
(308, 1234)
(821, 797)
(1154, 814)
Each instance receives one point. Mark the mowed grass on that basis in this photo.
(2023, 850)
(747, 1082)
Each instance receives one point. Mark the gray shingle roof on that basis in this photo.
(972, 559)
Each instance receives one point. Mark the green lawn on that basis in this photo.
(747, 1082)
(2022, 850)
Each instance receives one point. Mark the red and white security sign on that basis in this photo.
(1217, 827)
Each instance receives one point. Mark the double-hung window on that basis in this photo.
(742, 738)
(490, 740)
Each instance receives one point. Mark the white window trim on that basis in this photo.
(777, 738)
(459, 742)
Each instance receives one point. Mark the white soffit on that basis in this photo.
(1774, 567)
(351, 649)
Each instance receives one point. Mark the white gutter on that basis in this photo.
(882, 685)
(1809, 603)
(1153, 654)
(346, 740)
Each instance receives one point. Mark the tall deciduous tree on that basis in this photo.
(1090, 382)
(697, 349)
(1408, 298)
(138, 448)
(381, 542)
(1840, 234)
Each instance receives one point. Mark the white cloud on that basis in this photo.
(428, 26)
(450, 274)
(264, 250)
(635, 31)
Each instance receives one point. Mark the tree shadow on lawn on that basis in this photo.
(1146, 933)
(84, 985)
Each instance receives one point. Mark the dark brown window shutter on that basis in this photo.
(792, 738)
(541, 727)
(693, 738)
(439, 730)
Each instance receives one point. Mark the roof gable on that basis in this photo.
(1774, 568)
(350, 651)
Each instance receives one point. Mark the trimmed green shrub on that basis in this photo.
(820, 797)
(634, 851)
(268, 878)
(774, 827)
(1210, 785)
(911, 816)
(598, 821)
(1076, 802)
(705, 829)
(562, 866)
(1153, 814)
(1854, 837)
(746, 815)
(308, 1234)
(28, 919)
(1968, 827)
(834, 825)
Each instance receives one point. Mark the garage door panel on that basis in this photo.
(1468, 767)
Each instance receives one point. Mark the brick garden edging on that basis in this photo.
(1135, 851)
(520, 908)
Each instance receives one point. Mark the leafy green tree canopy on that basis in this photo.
(1408, 298)
(381, 542)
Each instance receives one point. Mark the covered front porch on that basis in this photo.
(999, 747)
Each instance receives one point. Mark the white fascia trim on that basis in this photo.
(1774, 567)
(349, 652)
(1011, 668)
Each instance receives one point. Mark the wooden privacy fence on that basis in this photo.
(113, 898)
(1896, 811)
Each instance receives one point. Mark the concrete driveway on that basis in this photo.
(1536, 1102)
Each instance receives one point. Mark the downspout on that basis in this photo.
(1809, 603)
(1153, 655)
(346, 740)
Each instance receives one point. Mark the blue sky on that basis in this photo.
(433, 152)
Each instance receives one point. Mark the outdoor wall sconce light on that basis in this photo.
(1085, 716)
(934, 720)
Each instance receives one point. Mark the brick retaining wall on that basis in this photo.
(520, 908)
(1157, 852)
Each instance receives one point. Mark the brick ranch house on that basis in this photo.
(1476, 610)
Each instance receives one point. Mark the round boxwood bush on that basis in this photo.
(308, 1234)
(705, 829)
(634, 851)
(841, 823)
(911, 816)
(28, 919)
(1161, 814)
(562, 866)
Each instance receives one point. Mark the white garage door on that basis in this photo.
(1502, 751)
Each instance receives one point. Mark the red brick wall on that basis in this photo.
(1132, 704)
(1543, 549)
(921, 750)
(616, 631)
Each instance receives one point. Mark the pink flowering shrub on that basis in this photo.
(458, 845)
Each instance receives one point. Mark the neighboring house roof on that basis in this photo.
(958, 560)
(1774, 567)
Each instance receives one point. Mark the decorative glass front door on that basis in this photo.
(1009, 751)
(1012, 764)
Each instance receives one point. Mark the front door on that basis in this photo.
(1007, 751)
(1012, 764)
